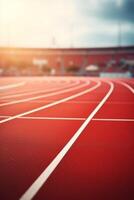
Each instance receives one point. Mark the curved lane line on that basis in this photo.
(42, 81)
(43, 96)
(127, 86)
(39, 182)
(12, 85)
(52, 104)
(41, 91)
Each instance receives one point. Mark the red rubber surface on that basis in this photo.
(98, 166)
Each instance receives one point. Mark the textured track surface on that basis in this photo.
(66, 138)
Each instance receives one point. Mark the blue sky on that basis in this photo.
(66, 23)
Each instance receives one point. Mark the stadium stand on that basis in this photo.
(73, 61)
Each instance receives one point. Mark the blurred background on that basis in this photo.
(67, 38)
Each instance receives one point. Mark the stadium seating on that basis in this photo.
(41, 62)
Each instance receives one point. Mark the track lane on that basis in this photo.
(122, 100)
(26, 148)
(11, 86)
(24, 106)
(39, 182)
(100, 165)
(22, 147)
(49, 88)
(130, 88)
(14, 141)
(34, 86)
(80, 109)
(61, 100)
(31, 97)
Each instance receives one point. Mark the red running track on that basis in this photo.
(66, 138)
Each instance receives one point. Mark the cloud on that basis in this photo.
(110, 10)
(36, 22)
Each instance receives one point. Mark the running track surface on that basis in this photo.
(66, 138)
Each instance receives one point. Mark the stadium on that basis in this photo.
(66, 100)
(117, 62)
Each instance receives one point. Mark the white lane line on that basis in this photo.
(72, 118)
(52, 104)
(32, 90)
(12, 85)
(45, 95)
(41, 81)
(127, 86)
(48, 118)
(35, 83)
(38, 183)
(113, 120)
(40, 91)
